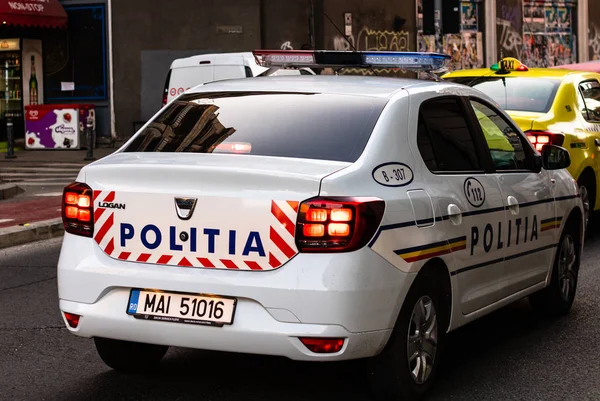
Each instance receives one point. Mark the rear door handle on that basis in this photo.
(513, 205)
(454, 214)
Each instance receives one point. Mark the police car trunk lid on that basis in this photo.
(201, 210)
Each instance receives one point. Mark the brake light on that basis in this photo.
(541, 138)
(165, 97)
(77, 210)
(337, 224)
(323, 345)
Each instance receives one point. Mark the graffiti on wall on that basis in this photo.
(511, 41)
(594, 42)
(287, 45)
(548, 38)
(372, 40)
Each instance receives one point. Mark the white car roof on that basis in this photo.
(343, 84)
(214, 58)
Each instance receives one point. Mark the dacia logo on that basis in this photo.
(111, 205)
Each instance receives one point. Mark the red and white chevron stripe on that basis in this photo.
(280, 248)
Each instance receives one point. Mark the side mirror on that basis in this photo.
(555, 157)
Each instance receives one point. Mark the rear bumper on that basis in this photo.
(254, 331)
(355, 296)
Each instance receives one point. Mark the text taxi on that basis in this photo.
(556, 106)
(377, 216)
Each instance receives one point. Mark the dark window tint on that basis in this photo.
(300, 125)
(444, 139)
(505, 144)
(522, 94)
(591, 96)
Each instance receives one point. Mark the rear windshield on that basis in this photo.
(516, 93)
(299, 125)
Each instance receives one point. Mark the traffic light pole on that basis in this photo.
(437, 18)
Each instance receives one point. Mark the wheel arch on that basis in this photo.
(436, 271)
(589, 175)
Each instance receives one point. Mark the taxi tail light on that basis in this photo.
(323, 345)
(337, 224)
(541, 138)
(77, 213)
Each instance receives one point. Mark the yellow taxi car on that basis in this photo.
(556, 106)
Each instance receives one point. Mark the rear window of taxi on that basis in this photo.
(299, 125)
(516, 93)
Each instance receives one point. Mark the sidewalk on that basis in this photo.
(35, 214)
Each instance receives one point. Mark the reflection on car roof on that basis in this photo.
(348, 84)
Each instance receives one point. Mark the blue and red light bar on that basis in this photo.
(409, 61)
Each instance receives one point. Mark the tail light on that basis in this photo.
(77, 209)
(541, 138)
(72, 319)
(323, 345)
(165, 97)
(337, 224)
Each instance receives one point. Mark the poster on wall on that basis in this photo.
(468, 17)
(534, 18)
(558, 19)
(33, 77)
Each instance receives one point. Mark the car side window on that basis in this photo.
(506, 146)
(444, 138)
(590, 90)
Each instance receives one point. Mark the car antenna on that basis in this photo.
(344, 36)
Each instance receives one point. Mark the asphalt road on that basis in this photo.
(509, 355)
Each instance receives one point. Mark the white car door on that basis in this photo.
(467, 196)
(532, 225)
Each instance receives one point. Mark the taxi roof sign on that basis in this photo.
(507, 65)
(409, 61)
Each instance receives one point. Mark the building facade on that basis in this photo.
(147, 35)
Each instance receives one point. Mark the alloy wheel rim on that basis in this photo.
(422, 340)
(567, 274)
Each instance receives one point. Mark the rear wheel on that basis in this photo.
(558, 297)
(129, 357)
(406, 368)
(587, 190)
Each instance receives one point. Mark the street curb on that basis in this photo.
(37, 231)
(9, 190)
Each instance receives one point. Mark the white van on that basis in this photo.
(185, 73)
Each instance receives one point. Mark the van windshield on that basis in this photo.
(300, 125)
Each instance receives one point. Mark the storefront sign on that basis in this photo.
(9, 44)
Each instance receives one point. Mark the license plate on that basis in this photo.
(181, 307)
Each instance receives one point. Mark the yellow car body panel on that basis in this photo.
(581, 137)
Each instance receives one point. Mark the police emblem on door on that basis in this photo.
(185, 207)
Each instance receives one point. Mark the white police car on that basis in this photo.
(320, 219)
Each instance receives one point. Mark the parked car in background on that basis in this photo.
(551, 105)
(185, 73)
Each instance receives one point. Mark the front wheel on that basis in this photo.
(129, 357)
(558, 297)
(406, 368)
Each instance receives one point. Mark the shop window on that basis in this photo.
(85, 63)
(549, 34)
(465, 47)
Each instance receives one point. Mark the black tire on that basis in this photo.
(587, 190)
(552, 301)
(130, 357)
(389, 373)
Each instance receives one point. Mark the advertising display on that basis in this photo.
(33, 84)
(56, 126)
